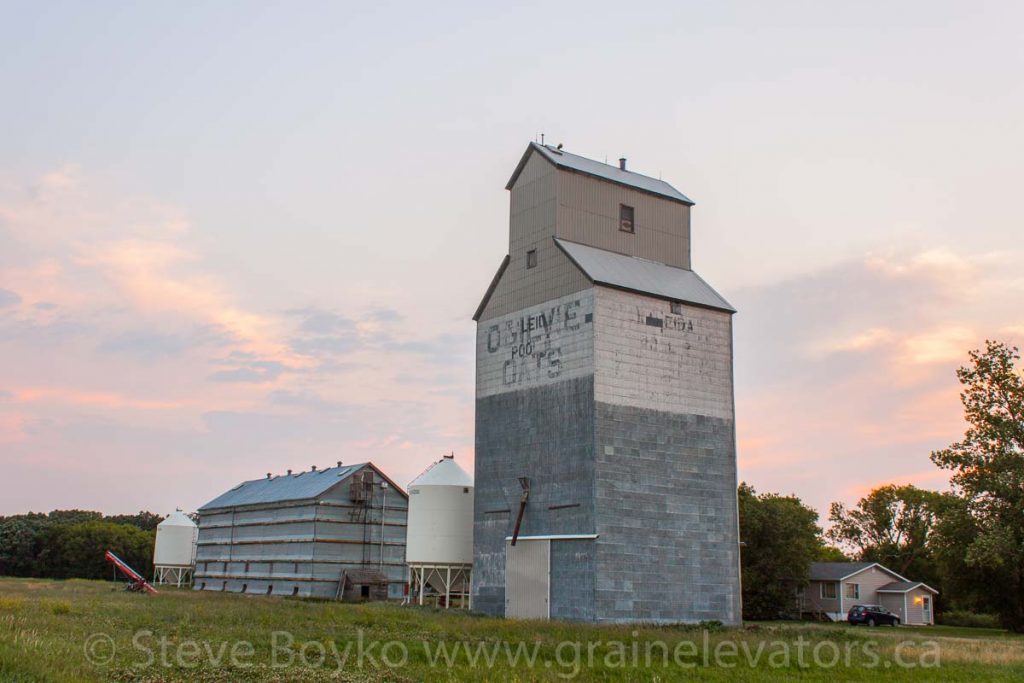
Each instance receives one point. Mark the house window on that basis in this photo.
(531, 258)
(852, 591)
(677, 308)
(626, 218)
(828, 591)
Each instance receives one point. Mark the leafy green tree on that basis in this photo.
(147, 521)
(21, 540)
(77, 551)
(891, 525)
(780, 538)
(964, 586)
(988, 470)
(37, 544)
(830, 553)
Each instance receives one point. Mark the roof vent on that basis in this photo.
(289, 473)
(314, 468)
(622, 163)
(339, 463)
(268, 475)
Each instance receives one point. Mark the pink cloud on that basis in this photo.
(840, 395)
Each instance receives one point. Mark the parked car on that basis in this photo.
(872, 615)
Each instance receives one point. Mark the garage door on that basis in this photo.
(528, 579)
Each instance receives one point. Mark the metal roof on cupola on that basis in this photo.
(615, 174)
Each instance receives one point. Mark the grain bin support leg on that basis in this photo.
(422, 577)
(448, 589)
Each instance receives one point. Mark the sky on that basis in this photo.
(239, 238)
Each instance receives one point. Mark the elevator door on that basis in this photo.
(528, 579)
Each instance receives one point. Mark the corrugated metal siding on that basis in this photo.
(531, 226)
(301, 549)
(527, 579)
(588, 212)
(300, 486)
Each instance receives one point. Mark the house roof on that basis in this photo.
(614, 174)
(905, 587)
(836, 571)
(288, 487)
(640, 275)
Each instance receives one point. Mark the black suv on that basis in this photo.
(872, 615)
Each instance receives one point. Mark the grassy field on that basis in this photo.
(92, 631)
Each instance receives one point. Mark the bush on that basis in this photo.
(58, 607)
(969, 619)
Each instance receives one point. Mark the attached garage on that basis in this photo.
(913, 601)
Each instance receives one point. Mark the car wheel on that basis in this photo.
(895, 623)
(871, 622)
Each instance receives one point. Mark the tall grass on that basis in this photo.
(45, 628)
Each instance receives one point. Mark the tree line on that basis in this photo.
(66, 544)
(968, 542)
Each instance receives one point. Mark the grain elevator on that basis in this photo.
(605, 439)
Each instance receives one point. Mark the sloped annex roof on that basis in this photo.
(640, 275)
(288, 487)
(614, 174)
(905, 587)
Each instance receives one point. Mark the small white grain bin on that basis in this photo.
(174, 554)
(439, 543)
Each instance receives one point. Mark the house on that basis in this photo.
(334, 533)
(605, 433)
(835, 587)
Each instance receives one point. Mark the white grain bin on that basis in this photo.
(439, 543)
(175, 550)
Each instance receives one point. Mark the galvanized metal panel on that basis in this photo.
(532, 225)
(614, 174)
(647, 277)
(528, 579)
(301, 486)
(588, 213)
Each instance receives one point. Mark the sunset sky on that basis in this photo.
(238, 238)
